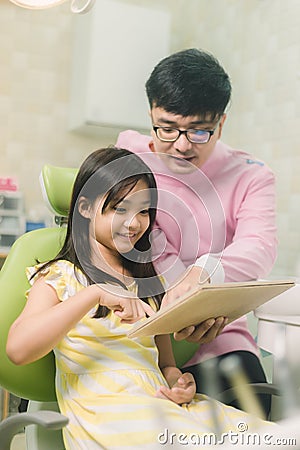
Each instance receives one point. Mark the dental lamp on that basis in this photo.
(77, 6)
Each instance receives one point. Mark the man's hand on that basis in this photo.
(192, 279)
(206, 331)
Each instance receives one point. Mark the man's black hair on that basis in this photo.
(189, 83)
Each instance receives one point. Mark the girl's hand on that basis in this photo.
(123, 303)
(183, 391)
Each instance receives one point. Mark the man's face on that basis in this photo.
(183, 156)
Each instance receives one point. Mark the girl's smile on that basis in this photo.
(118, 228)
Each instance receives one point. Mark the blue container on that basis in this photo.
(34, 225)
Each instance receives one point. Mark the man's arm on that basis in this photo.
(253, 250)
(250, 254)
(250, 249)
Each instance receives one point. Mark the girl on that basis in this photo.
(117, 392)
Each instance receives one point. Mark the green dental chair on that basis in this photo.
(35, 381)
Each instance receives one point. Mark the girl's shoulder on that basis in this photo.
(62, 275)
(55, 268)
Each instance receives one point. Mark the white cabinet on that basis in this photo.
(116, 46)
(12, 219)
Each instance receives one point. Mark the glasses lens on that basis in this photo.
(167, 134)
(198, 136)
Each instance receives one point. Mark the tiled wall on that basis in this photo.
(258, 42)
(35, 55)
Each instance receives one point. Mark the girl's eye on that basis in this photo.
(144, 212)
(120, 210)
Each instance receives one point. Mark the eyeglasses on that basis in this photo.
(168, 134)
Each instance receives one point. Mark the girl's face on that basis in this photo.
(118, 228)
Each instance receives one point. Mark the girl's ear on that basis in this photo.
(84, 207)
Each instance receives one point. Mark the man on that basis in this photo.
(216, 218)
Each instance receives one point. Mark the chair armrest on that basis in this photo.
(15, 423)
(258, 388)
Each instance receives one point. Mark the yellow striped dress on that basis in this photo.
(106, 385)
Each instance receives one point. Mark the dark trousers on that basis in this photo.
(252, 368)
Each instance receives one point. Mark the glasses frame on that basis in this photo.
(185, 132)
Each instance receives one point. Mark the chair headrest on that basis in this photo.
(57, 184)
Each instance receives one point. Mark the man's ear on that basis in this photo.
(221, 123)
(84, 207)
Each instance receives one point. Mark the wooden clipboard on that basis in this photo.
(231, 300)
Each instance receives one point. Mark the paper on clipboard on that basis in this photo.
(231, 300)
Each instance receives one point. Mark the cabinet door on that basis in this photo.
(11, 224)
(116, 46)
(12, 219)
(11, 201)
(6, 241)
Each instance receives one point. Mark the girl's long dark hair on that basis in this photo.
(112, 172)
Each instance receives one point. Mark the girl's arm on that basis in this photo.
(45, 320)
(182, 387)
